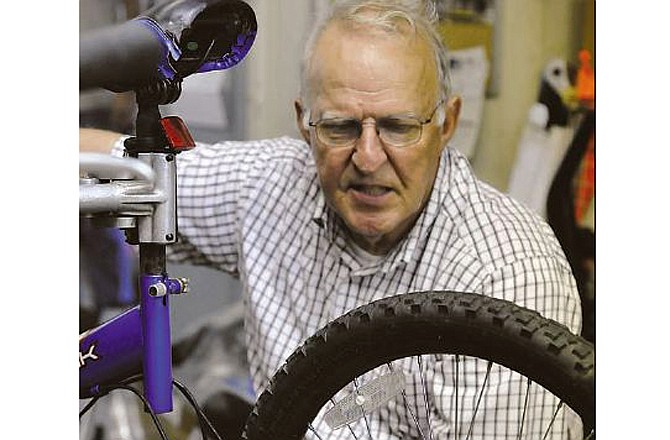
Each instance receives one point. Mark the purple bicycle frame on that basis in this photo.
(136, 341)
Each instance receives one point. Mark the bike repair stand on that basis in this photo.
(157, 142)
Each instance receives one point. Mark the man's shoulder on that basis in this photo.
(497, 229)
(280, 176)
(276, 150)
(251, 160)
(285, 162)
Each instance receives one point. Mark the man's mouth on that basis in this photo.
(371, 190)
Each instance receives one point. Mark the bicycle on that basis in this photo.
(149, 55)
(137, 194)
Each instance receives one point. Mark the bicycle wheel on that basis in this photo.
(422, 327)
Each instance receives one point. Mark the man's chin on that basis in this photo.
(379, 234)
(368, 237)
(371, 231)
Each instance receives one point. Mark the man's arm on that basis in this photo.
(93, 140)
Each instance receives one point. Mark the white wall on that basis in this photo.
(273, 66)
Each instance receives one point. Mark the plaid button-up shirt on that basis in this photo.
(255, 209)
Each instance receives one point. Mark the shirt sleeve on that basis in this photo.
(212, 189)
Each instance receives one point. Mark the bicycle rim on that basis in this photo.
(352, 351)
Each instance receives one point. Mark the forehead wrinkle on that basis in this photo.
(372, 76)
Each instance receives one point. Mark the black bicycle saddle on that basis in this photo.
(167, 42)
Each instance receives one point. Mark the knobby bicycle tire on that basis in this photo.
(420, 323)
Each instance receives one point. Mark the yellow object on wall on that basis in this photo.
(465, 33)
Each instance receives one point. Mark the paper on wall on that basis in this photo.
(469, 74)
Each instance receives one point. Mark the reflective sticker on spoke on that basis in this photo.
(366, 399)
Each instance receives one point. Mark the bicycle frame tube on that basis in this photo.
(136, 341)
(139, 341)
(155, 318)
(110, 353)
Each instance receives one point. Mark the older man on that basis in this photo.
(372, 203)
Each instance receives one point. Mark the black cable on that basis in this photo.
(202, 418)
(89, 405)
(204, 421)
(106, 390)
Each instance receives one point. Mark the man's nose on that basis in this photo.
(369, 153)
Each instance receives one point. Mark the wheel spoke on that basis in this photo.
(479, 399)
(553, 418)
(409, 408)
(525, 406)
(311, 428)
(425, 396)
(348, 425)
(456, 391)
(351, 430)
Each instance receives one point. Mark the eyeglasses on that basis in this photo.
(396, 131)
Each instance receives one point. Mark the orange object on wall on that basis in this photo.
(586, 82)
(585, 185)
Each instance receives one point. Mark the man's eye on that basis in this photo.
(399, 127)
(340, 129)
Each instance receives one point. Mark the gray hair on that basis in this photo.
(420, 15)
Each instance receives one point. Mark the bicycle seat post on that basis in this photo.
(152, 234)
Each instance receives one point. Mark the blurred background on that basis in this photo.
(254, 100)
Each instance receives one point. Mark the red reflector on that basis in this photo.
(177, 133)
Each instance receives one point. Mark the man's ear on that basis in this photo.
(453, 111)
(300, 121)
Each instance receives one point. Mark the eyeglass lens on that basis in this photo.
(393, 131)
